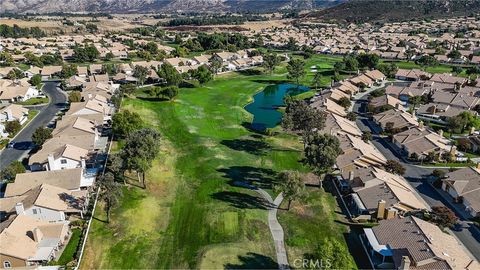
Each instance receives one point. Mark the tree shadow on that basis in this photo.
(258, 177)
(153, 98)
(255, 127)
(254, 147)
(242, 200)
(250, 72)
(271, 81)
(253, 261)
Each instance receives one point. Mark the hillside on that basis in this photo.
(396, 10)
(149, 6)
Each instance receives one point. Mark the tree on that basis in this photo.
(141, 148)
(128, 88)
(366, 136)
(170, 92)
(427, 60)
(126, 122)
(36, 80)
(169, 74)
(140, 72)
(344, 102)
(291, 184)
(438, 173)
(457, 69)
(202, 74)
(215, 63)
(395, 167)
(415, 101)
(454, 54)
(108, 56)
(15, 74)
(388, 69)
(12, 127)
(292, 44)
(351, 116)
(6, 59)
(69, 70)
(350, 63)
(110, 192)
(368, 60)
(443, 216)
(75, 96)
(296, 70)
(333, 255)
(299, 116)
(317, 79)
(270, 61)
(110, 69)
(321, 150)
(9, 173)
(41, 135)
(116, 166)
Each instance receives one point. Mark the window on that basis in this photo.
(63, 161)
(7, 264)
(34, 211)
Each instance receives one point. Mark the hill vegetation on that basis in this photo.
(357, 11)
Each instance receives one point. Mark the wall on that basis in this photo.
(71, 164)
(15, 262)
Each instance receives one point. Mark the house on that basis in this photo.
(12, 112)
(347, 88)
(357, 153)
(91, 106)
(70, 179)
(411, 74)
(412, 243)
(375, 76)
(328, 105)
(362, 80)
(448, 78)
(64, 157)
(382, 195)
(82, 72)
(395, 120)
(340, 126)
(31, 241)
(50, 71)
(464, 187)
(383, 103)
(16, 91)
(421, 141)
(46, 202)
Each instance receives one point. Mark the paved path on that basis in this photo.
(273, 224)
(23, 140)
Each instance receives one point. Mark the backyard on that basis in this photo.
(193, 214)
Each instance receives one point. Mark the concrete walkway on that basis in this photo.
(273, 224)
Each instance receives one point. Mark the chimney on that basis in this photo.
(37, 235)
(478, 165)
(397, 106)
(472, 130)
(381, 209)
(51, 162)
(421, 125)
(351, 175)
(405, 264)
(19, 208)
(83, 162)
(453, 151)
(391, 213)
(440, 132)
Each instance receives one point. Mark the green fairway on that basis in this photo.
(192, 215)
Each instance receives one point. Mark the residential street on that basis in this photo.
(23, 139)
(418, 178)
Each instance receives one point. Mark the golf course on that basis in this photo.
(193, 213)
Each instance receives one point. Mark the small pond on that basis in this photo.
(265, 104)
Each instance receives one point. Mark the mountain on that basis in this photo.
(140, 6)
(396, 10)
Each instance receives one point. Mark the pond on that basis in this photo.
(265, 104)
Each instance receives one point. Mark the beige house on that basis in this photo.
(464, 187)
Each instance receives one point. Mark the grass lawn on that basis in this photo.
(71, 248)
(192, 215)
(34, 101)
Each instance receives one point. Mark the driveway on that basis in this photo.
(418, 178)
(23, 140)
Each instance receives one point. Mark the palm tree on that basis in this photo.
(291, 185)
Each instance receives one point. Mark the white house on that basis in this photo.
(17, 91)
(64, 157)
(12, 112)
